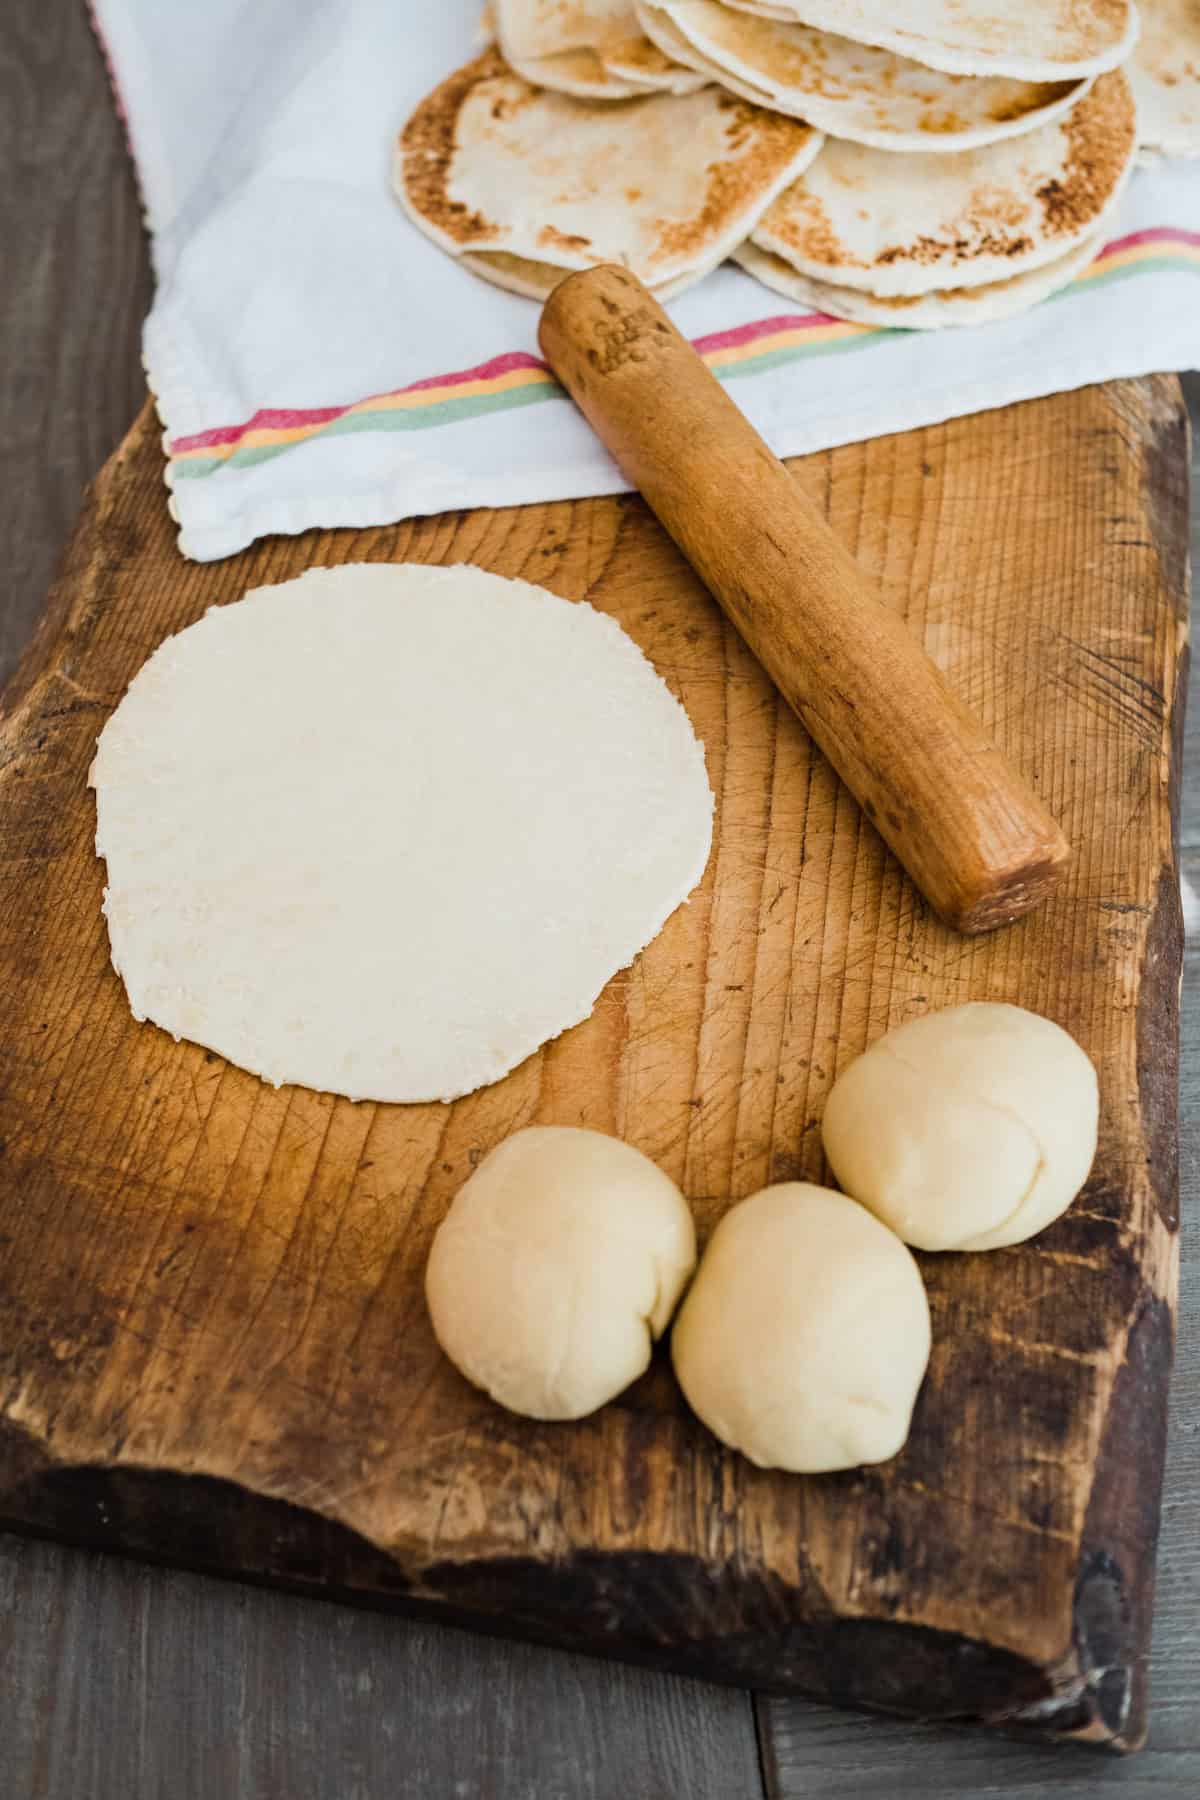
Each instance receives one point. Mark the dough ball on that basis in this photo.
(966, 1129)
(805, 1336)
(558, 1264)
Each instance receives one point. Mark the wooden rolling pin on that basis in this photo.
(977, 842)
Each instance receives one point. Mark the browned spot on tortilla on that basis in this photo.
(807, 227)
(427, 146)
(994, 223)
(639, 54)
(943, 123)
(926, 250)
(740, 118)
(760, 146)
(1100, 135)
(507, 106)
(551, 238)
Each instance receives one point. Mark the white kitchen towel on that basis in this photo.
(317, 361)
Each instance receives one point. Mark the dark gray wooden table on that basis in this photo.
(120, 1682)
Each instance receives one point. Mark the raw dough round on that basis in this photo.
(805, 1336)
(384, 830)
(967, 1129)
(558, 1264)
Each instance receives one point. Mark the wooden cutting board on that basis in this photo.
(213, 1344)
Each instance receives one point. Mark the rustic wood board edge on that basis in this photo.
(1101, 1697)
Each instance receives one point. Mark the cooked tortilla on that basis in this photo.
(667, 184)
(1052, 40)
(921, 312)
(919, 224)
(1164, 73)
(591, 49)
(850, 90)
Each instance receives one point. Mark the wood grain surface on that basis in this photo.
(269, 1696)
(206, 1276)
(74, 288)
(107, 1669)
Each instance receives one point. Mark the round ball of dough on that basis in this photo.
(805, 1336)
(967, 1129)
(559, 1263)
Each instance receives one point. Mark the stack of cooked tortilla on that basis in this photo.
(897, 162)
